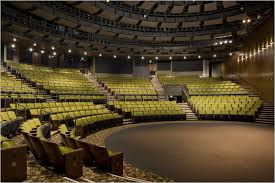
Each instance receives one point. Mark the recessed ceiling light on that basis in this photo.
(230, 54)
(142, 57)
(214, 55)
(170, 58)
(128, 57)
(53, 47)
(30, 49)
(184, 57)
(69, 50)
(199, 56)
(230, 41)
(100, 55)
(34, 44)
(157, 58)
(54, 53)
(225, 41)
(144, 16)
(14, 39)
(114, 56)
(244, 21)
(13, 45)
(42, 51)
(220, 42)
(248, 20)
(85, 53)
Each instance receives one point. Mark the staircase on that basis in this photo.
(159, 89)
(190, 116)
(92, 78)
(266, 114)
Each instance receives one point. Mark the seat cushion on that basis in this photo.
(65, 149)
(6, 144)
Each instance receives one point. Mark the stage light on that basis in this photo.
(128, 57)
(69, 50)
(53, 47)
(42, 51)
(30, 49)
(100, 55)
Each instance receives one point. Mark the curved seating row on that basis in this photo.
(148, 111)
(10, 123)
(62, 158)
(96, 155)
(242, 108)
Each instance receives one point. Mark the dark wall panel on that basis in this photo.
(25, 56)
(164, 66)
(256, 70)
(185, 66)
(113, 66)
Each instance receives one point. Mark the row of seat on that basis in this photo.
(93, 155)
(145, 111)
(137, 97)
(99, 99)
(124, 88)
(10, 123)
(225, 107)
(62, 158)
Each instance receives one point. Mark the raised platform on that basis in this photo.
(199, 151)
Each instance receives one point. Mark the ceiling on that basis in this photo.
(163, 28)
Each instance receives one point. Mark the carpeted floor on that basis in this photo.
(200, 151)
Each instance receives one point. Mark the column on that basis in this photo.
(205, 72)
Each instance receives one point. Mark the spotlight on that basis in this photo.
(14, 39)
(128, 57)
(225, 41)
(54, 53)
(85, 53)
(214, 55)
(220, 42)
(53, 48)
(142, 57)
(230, 54)
(114, 56)
(184, 57)
(107, 1)
(30, 49)
(13, 45)
(170, 58)
(157, 58)
(248, 20)
(34, 44)
(100, 55)
(230, 41)
(199, 56)
(42, 51)
(244, 21)
(69, 50)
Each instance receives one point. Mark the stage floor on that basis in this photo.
(200, 151)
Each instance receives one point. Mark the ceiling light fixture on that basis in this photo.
(128, 57)
(230, 54)
(14, 39)
(244, 21)
(248, 20)
(157, 58)
(199, 56)
(53, 47)
(170, 58)
(69, 50)
(42, 51)
(30, 49)
(214, 55)
(54, 53)
(184, 57)
(85, 53)
(13, 45)
(142, 57)
(100, 55)
(34, 44)
(230, 41)
(114, 56)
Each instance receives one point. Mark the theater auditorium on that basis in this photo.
(137, 91)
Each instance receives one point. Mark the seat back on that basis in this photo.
(88, 157)
(101, 156)
(54, 155)
(38, 147)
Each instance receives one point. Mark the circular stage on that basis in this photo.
(199, 151)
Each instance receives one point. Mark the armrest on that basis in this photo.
(116, 163)
(75, 151)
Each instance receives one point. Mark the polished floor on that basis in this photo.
(200, 151)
